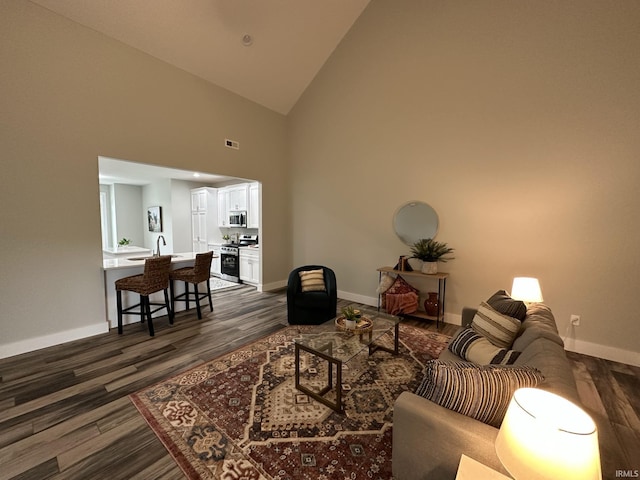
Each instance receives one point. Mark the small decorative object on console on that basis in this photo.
(431, 304)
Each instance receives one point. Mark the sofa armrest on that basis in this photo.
(428, 440)
(467, 315)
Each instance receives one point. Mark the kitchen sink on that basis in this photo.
(135, 259)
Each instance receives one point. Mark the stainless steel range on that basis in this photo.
(230, 257)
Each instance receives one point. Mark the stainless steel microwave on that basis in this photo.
(238, 219)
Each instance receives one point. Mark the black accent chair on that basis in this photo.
(311, 308)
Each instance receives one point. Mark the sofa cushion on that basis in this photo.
(539, 323)
(503, 303)
(469, 345)
(312, 280)
(499, 329)
(543, 315)
(480, 392)
(551, 360)
(528, 335)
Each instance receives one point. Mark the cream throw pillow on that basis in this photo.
(477, 349)
(312, 281)
(499, 329)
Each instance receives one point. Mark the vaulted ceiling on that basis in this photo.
(265, 50)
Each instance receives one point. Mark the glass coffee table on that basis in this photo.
(331, 342)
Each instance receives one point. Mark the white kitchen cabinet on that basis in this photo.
(199, 200)
(223, 211)
(199, 231)
(237, 199)
(204, 217)
(215, 262)
(253, 213)
(250, 265)
(234, 198)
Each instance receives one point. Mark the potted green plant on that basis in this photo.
(351, 317)
(431, 252)
(124, 242)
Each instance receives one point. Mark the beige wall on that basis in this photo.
(69, 94)
(517, 121)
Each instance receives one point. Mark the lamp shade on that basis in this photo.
(526, 289)
(544, 436)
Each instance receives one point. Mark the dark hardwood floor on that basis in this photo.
(65, 411)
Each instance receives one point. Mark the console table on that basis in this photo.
(441, 277)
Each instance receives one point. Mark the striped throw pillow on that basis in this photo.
(469, 345)
(312, 281)
(499, 329)
(480, 392)
(503, 303)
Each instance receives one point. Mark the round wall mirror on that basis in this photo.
(415, 220)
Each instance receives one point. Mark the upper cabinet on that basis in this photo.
(199, 199)
(243, 197)
(223, 211)
(238, 199)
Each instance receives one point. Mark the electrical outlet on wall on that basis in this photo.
(575, 320)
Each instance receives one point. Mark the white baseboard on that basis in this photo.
(31, 344)
(269, 287)
(453, 318)
(602, 351)
(355, 297)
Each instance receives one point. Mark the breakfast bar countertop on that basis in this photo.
(121, 250)
(126, 262)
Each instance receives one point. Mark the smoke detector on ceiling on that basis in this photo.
(247, 40)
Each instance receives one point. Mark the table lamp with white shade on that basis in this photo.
(544, 436)
(526, 289)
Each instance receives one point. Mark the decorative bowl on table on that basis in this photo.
(364, 325)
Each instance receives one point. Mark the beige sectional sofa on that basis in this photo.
(429, 439)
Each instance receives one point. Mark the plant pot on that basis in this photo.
(430, 267)
(431, 304)
(415, 263)
(349, 324)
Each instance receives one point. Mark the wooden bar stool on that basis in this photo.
(200, 272)
(154, 279)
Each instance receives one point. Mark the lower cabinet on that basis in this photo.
(215, 262)
(250, 265)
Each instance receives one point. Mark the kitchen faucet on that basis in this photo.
(164, 242)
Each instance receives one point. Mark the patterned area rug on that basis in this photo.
(241, 417)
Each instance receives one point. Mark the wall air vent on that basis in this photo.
(231, 144)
